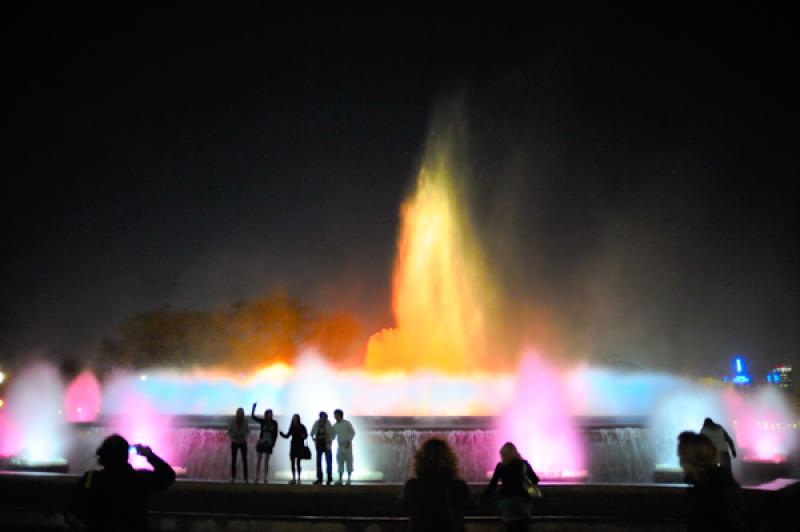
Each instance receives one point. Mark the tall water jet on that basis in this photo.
(442, 298)
(137, 419)
(682, 408)
(538, 422)
(82, 399)
(764, 425)
(35, 420)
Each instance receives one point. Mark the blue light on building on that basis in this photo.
(740, 377)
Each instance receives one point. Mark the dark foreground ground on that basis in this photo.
(35, 502)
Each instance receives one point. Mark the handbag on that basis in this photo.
(305, 452)
(528, 485)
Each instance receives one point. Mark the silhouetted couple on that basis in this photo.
(714, 496)
(238, 432)
(437, 499)
(114, 497)
(323, 434)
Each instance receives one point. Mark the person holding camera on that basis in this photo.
(115, 497)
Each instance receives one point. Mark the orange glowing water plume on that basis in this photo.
(442, 299)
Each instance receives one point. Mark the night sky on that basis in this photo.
(633, 167)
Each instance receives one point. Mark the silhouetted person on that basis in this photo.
(322, 434)
(115, 497)
(721, 440)
(238, 431)
(344, 433)
(514, 474)
(714, 497)
(298, 433)
(436, 499)
(267, 437)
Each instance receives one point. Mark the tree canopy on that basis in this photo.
(246, 334)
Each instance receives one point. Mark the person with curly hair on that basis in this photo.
(436, 499)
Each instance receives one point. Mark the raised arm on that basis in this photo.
(254, 416)
(162, 475)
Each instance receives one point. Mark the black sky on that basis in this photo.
(634, 165)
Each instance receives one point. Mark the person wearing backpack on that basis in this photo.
(322, 434)
(519, 485)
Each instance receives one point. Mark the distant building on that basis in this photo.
(781, 376)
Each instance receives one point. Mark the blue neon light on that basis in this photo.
(738, 365)
(769, 377)
(741, 379)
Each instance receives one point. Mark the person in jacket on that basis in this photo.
(322, 434)
(237, 432)
(715, 499)
(298, 434)
(344, 433)
(436, 499)
(115, 497)
(517, 479)
(267, 437)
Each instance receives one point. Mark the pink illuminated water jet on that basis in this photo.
(538, 422)
(10, 436)
(140, 422)
(82, 399)
(762, 425)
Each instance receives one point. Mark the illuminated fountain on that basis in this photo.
(33, 429)
(443, 369)
(82, 399)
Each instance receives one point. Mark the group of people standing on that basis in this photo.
(323, 433)
(436, 498)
